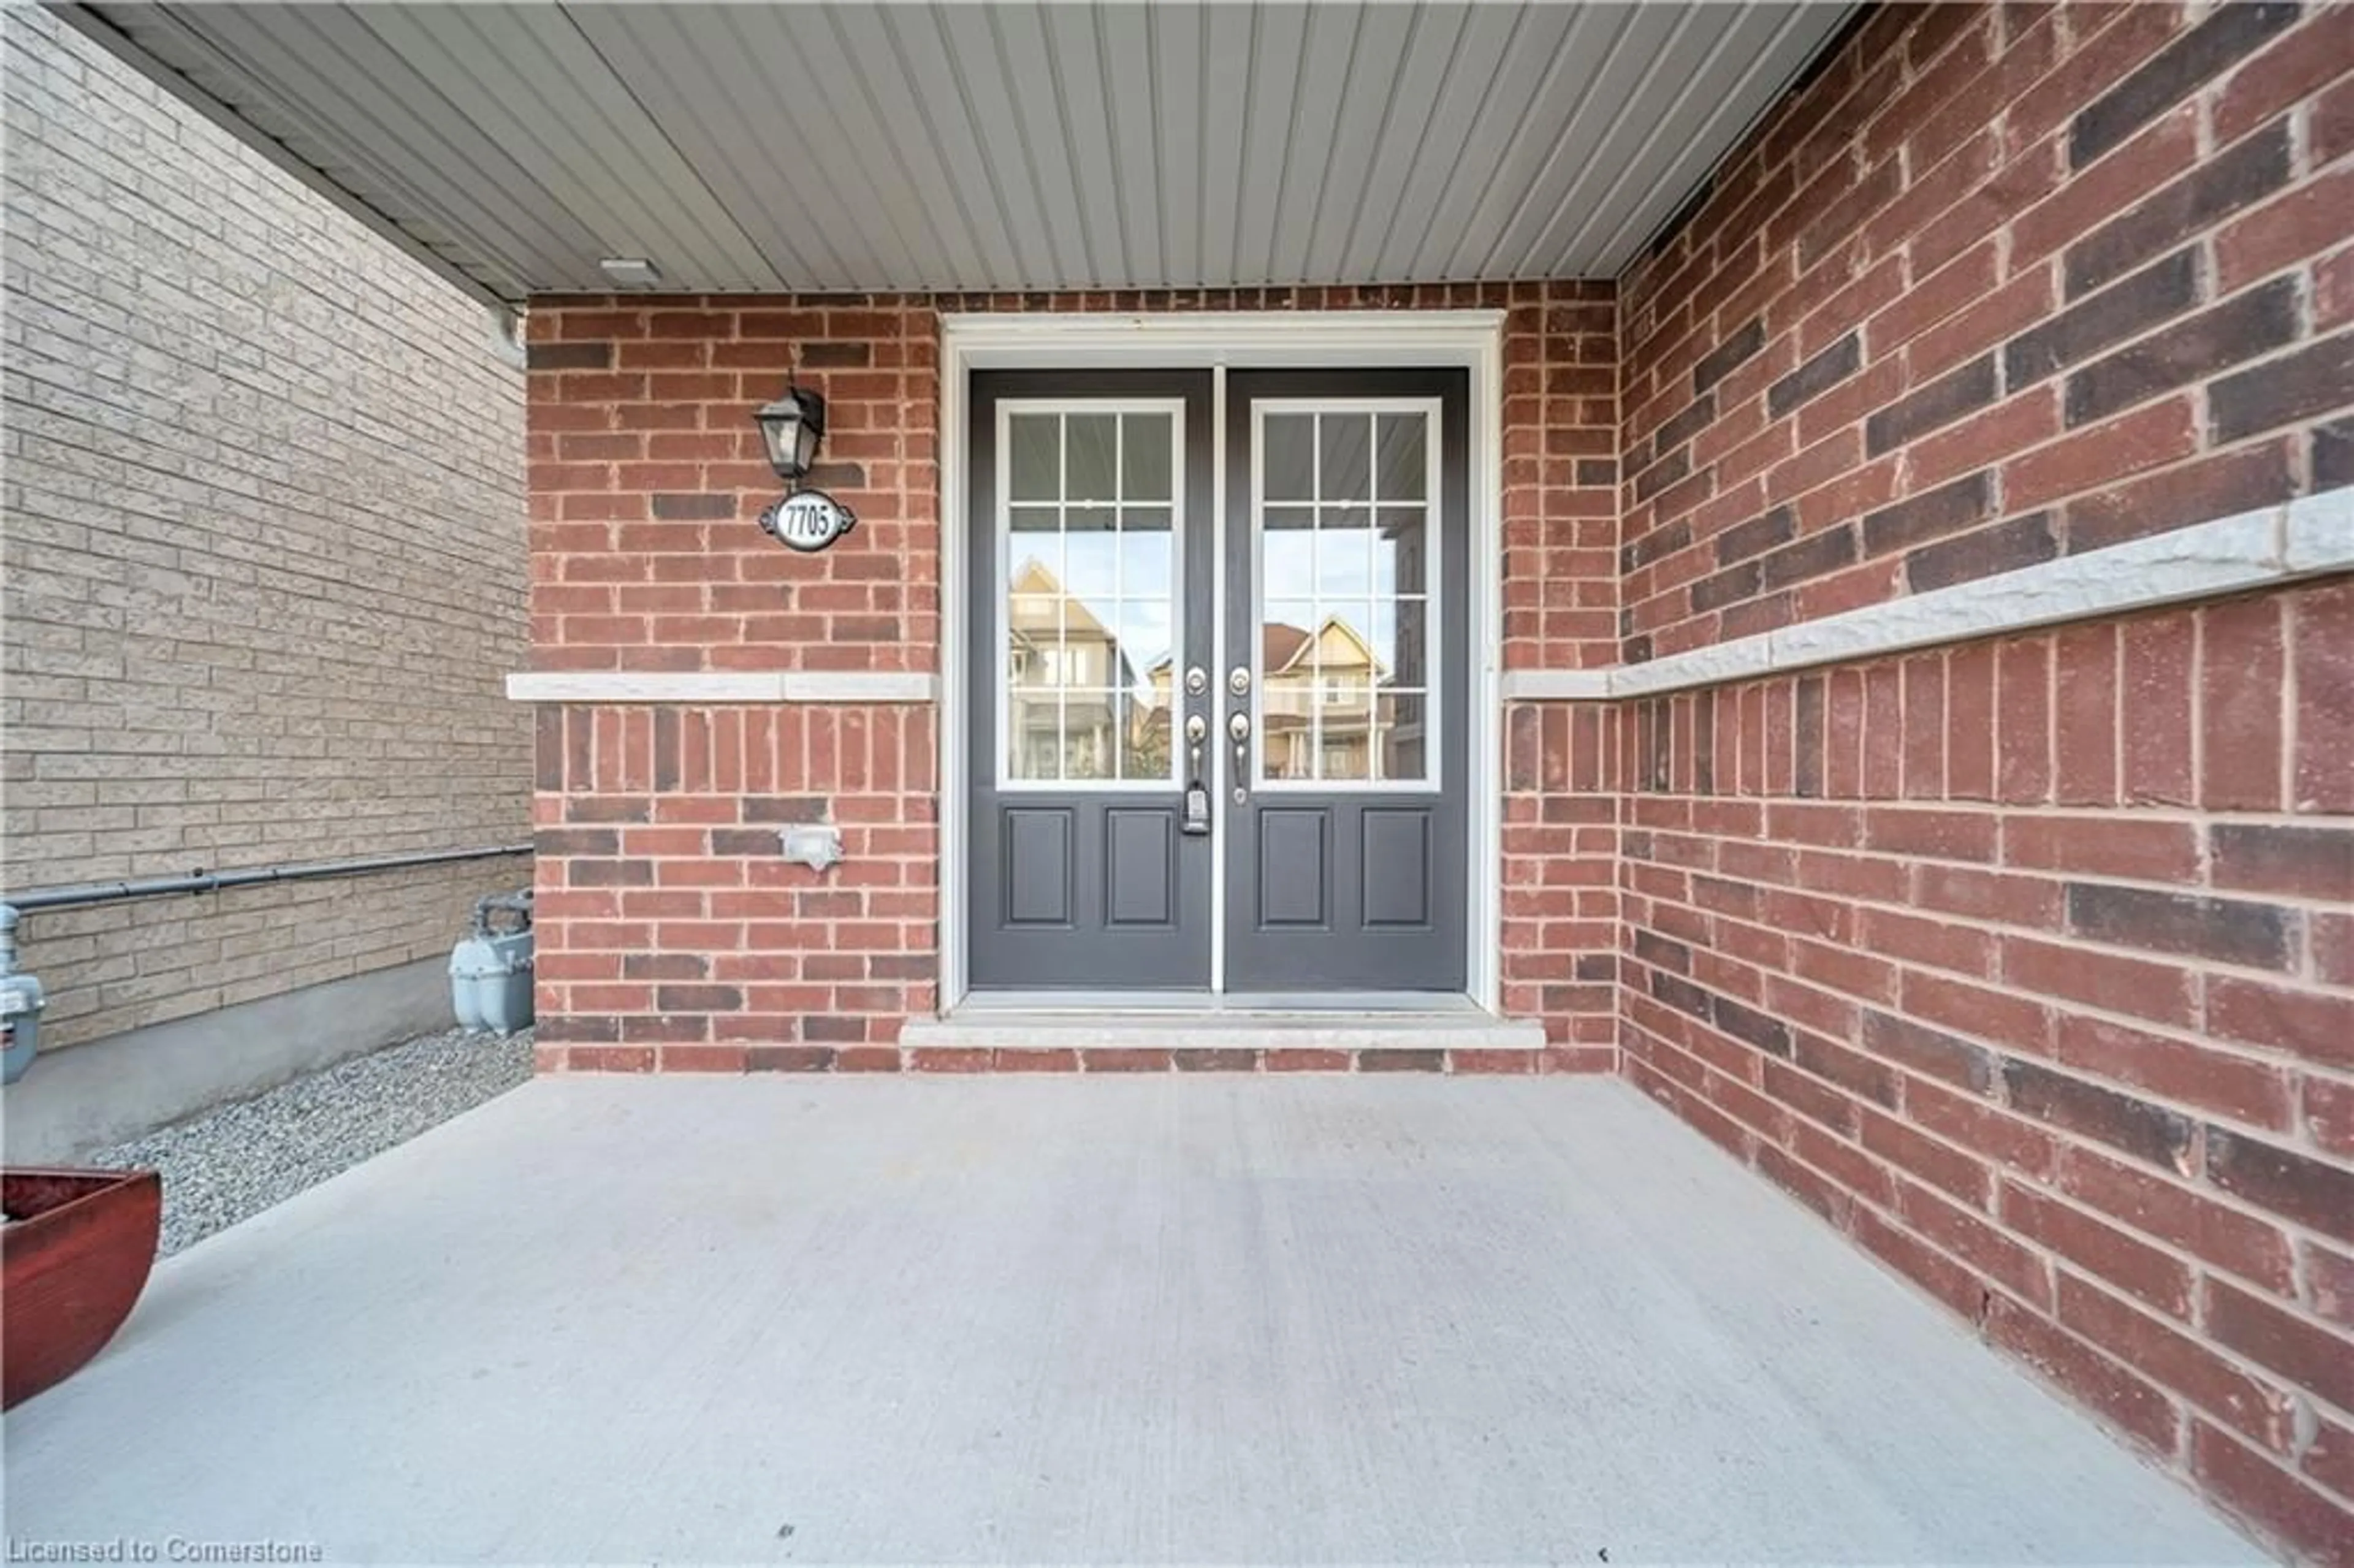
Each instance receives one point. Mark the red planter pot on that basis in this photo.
(73, 1259)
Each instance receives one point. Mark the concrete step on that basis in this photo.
(1169, 1029)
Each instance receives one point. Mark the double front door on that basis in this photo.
(1218, 740)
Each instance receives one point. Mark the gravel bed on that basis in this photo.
(233, 1161)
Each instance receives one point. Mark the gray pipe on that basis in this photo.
(215, 881)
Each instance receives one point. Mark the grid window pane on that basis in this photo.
(1344, 469)
(1091, 597)
(1287, 458)
(1401, 740)
(1034, 456)
(1090, 457)
(1403, 455)
(1144, 473)
(1344, 548)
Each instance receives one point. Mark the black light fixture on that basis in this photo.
(793, 426)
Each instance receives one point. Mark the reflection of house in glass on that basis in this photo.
(1076, 709)
(1326, 705)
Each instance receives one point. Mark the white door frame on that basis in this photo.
(1468, 340)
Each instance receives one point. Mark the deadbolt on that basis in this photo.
(1238, 680)
(1197, 681)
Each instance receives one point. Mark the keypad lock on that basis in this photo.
(1196, 819)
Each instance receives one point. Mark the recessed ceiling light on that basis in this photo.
(629, 272)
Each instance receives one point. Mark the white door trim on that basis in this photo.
(1470, 340)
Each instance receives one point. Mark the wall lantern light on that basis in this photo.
(793, 426)
(806, 519)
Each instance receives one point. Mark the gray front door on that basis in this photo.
(1347, 556)
(1093, 560)
(1191, 755)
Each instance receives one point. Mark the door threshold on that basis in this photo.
(1011, 1022)
(1260, 1004)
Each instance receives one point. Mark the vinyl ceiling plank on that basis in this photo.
(968, 37)
(780, 47)
(1328, 60)
(1780, 41)
(690, 77)
(1567, 180)
(938, 80)
(1227, 76)
(875, 68)
(1133, 89)
(1074, 62)
(1384, 35)
(1501, 148)
(377, 114)
(1278, 53)
(1027, 145)
(1488, 32)
(1693, 54)
(629, 169)
(480, 85)
(1181, 106)
(1438, 33)
(1019, 41)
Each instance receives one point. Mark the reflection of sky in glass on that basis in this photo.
(1144, 630)
(1129, 565)
(1339, 563)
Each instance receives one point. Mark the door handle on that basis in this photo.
(1238, 728)
(1196, 819)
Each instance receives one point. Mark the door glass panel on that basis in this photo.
(1401, 735)
(1400, 543)
(1344, 457)
(1090, 457)
(1344, 552)
(1092, 557)
(1034, 735)
(1034, 457)
(1091, 607)
(1402, 442)
(1090, 740)
(1343, 579)
(1399, 628)
(1145, 473)
(1345, 728)
(1287, 458)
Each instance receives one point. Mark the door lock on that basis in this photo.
(1197, 681)
(1239, 680)
(1196, 819)
(1238, 728)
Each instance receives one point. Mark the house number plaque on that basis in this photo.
(807, 520)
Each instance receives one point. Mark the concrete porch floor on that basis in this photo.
(1191, 1319)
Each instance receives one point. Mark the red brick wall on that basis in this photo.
(2030, 964)
(2000, 284)
(670, 935)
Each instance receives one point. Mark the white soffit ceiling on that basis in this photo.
(1005, 146)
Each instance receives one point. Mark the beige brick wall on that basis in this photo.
(263, 554)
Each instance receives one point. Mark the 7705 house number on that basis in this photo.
(807, 520)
